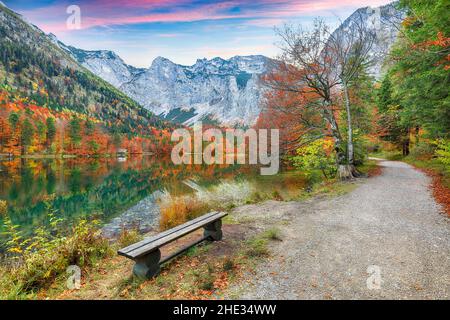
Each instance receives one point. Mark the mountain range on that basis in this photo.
(32, 66)
(227, 91)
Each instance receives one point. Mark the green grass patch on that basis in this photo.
(257, 248)
(272, 234)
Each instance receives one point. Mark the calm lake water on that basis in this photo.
(120, 194)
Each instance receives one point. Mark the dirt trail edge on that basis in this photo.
(387, 239)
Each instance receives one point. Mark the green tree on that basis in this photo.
(51, 130)
(391, 126)
(75, 131)
(13, 120)
(40, 130)
(27, 134)
(313, 157)
(420, 74)
(89, 127)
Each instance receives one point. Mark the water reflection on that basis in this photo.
(121, 194)
(97, 188)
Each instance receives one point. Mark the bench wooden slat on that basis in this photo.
(165, 233)
(148, 245)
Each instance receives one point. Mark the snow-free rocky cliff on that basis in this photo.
(229, 91)
(384, 21)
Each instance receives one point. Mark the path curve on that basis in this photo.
(332, 248)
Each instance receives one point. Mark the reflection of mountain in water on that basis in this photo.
(144, 216)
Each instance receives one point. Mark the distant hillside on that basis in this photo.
(33, 65)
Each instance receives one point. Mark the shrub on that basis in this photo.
(175, 211)
(3, 207)
(423, 149)
(40, 260)
(316, 157)
(128, 237)
(443, 153)
(272, 234)
(360, 146)
(228, 265)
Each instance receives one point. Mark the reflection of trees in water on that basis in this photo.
(99, 188)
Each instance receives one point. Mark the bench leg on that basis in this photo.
(214, 230)
(147, 266)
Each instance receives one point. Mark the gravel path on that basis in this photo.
(332, 248)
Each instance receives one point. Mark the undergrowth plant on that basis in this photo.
(36, 262)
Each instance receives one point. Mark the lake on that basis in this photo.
(121, 193)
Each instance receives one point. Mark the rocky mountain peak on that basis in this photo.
(227, 90)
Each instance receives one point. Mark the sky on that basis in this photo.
(180, 30)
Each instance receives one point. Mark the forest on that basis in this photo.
(326, 103)
(29, 129)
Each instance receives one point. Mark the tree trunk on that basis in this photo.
(405, 143)
(405, 147)
(417, 134)
(350, 150)
(345, 170)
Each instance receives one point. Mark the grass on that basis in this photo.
(3, 207)
(228, 265)
(128, 237)
(273, 234)
(257, 247)
(39, 262)
(175, 211)
(203, 272)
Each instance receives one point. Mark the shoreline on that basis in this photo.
(73, 156)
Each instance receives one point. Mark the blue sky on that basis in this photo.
(181, 30)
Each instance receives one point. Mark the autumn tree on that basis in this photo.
(352, 49)
(313, 67)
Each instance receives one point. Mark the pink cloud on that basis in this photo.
(123, 12)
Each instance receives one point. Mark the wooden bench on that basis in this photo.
(147, 254)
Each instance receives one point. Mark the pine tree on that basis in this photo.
(27, 134)
(51, 130)
(75, 132)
